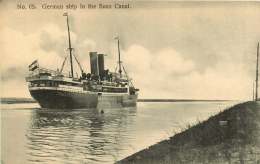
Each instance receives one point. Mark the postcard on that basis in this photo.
(127, 81)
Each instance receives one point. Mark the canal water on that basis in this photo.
(30, 134)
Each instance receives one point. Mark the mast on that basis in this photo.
(256, 80)
(119, 58)
(253, 91)
(70, 48)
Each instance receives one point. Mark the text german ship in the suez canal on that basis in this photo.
(53, 89)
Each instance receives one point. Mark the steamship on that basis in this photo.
(55, 89)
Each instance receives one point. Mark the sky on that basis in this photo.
(179, 50)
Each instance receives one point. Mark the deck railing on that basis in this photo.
(45, 70)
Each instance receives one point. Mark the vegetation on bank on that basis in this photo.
(232, 136)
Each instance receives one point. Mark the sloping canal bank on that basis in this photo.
(232, 136)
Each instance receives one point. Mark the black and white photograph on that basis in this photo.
(129, 82)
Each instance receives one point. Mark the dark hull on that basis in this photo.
(55, 99)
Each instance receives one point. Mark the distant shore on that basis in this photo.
(178, 100)
(14, 100)
(232, 136)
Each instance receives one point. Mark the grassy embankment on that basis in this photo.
(232, 136)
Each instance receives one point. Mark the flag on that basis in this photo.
(65, 14)
(34, 65)
(116, 38)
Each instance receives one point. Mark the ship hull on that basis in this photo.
(56, 99)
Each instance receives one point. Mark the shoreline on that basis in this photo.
(16, 100)
(180, 100)
(231, 136)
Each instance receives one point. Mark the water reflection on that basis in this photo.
(78, 136)
(32, 135)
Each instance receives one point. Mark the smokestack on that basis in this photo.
(94, 63)
(101, 65)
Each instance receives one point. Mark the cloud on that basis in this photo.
(171, 62)
(52, 39)
(161, 74)
(47, 45)
(166, 74)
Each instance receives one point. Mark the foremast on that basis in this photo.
(119, 58)
(70, 48)
(71, 55)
